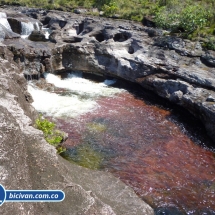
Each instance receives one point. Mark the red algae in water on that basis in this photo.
(149, 152)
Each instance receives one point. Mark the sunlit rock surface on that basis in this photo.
(28, 162)
(175, 69)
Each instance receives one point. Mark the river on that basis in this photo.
(163, 155)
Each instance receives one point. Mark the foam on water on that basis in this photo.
(55, 105)
(3, 15)
(47, 32)
(24, 36)
(4, 22)
(81, 99)
(36, 26)
(81, 86)
(28, 27)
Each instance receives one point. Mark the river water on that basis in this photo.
(161, 154)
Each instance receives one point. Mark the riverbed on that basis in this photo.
(163, 155)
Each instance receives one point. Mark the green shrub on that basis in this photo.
(101, 3)
(186, 19)
(110, 9)
(193, 17)
(165, 19)
(45, 126)
(52, 136)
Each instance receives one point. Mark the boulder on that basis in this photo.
(37, 36)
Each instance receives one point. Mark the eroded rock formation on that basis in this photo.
(175, 69)
(28, 162)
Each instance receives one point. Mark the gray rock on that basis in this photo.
(183, 47)
(148, 21)
(55, 36)
(29, 55)
(174, 68)
(54, 21)
(152, 32)
(209, 57)
(29, 163)
(176, 96)
(37, 36)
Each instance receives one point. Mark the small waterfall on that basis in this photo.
(4, 22)
(47, 32)
(3, 15)
(36, 26)
(2, 33)
(28, 27)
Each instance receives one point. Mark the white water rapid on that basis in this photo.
(4, 22)
(28, 27)
(81, 98)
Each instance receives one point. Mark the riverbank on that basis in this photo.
(154, 147)
(178, 70)
(28, 162)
